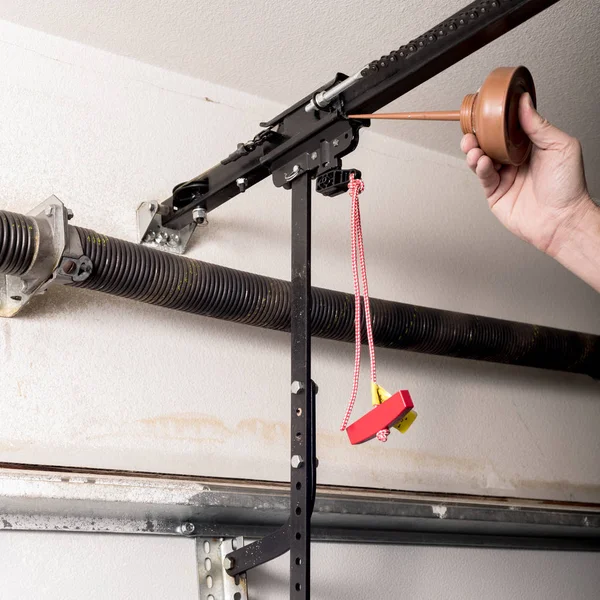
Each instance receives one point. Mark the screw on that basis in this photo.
(314, 156)
(228, 563)
(150, 236)
(68, 267)
(187, 528)
(297, 462)
(336, 142)
(242, 183)
(151, 207)
(199, 216)
(70, 214)
(295, 168)
(297, 387)
(49, 211)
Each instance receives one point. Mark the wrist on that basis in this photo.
(580, 249)
(583, 219)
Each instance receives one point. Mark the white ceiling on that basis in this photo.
(284, 49)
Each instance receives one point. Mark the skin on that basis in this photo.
(545, 201)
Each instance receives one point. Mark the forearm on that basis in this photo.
(579, 250)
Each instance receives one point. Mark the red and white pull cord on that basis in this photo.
(359, 272)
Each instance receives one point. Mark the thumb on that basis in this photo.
(544, 135)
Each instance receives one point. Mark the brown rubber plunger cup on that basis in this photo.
(492, 114)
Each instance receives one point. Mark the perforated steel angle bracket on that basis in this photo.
(214, 582)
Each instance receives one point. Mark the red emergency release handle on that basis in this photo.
(384, 415)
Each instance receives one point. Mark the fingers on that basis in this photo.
(468, 142)
(544, 135)
(473, 157)
(487, 174)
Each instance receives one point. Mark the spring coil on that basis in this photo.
(17, 243)
(140, 273)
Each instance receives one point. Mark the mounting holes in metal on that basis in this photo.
(298, 436)
(209, 582)
(298, 587)
(210, 597)
(207, 547)
(234, 543)
(237, 596)
(298, 560)
(298, 485)
(207, 564)
(298, 510)
(298, 412)
(298, 535)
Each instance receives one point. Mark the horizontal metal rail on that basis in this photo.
(97, 501)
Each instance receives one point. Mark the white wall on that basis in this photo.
(83, 376)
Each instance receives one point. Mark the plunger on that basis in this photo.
(492, 114)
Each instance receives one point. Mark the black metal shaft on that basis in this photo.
(140, 273)
(303, 457)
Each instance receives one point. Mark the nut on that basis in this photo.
(199, 216)
(70, 214)
(297, 387)
(297, 461)
(228, 563)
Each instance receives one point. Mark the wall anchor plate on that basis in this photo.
(152, 233)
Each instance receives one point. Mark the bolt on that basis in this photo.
(199, 216)
(173, 240)
(49, 211)
(297, 387)
(295, 168)
(151, 207)
(187, 528)
(314, 156)
(228, 563)
(68, 267)
(70, 214)
(150, 236)
(297, 462)
(162, 237)
(336, 142)
(242, 183)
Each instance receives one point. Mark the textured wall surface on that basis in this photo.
(83, 377)
(232, 43)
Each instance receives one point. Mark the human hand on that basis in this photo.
(543, 200)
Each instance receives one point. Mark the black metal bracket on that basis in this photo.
(295, 534)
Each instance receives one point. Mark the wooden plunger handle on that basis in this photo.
(432, 115)
(492, 114)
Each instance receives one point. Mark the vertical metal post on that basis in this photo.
(303, 467)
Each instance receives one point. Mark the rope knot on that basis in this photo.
(355, 186)
(382, 435)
